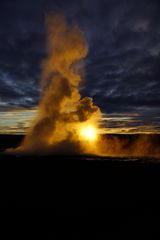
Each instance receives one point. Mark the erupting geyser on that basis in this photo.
(67, 123)
(60, 124)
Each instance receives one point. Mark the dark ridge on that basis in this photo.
(76, 185)
(10, 141)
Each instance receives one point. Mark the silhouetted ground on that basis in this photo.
(9, 141)
(125, 191)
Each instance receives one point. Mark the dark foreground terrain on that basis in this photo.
(123, 191)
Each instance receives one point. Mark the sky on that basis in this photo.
(122, 66)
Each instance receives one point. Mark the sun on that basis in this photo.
(88, 132)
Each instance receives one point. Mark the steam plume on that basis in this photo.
(144, 145)
(61, 108)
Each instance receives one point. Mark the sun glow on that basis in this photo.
(88, 132)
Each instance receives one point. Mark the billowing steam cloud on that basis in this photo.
(143, 145)
(61, 109)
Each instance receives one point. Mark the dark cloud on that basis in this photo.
(122, 68)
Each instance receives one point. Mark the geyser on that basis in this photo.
(61, 110)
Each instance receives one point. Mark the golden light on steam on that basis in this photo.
(88, 133)
(65, 121)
